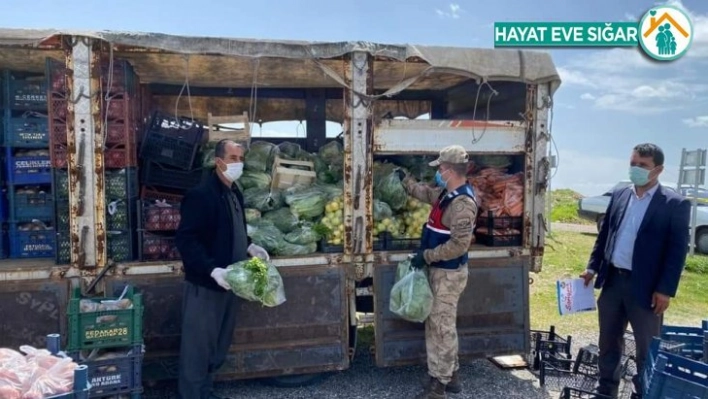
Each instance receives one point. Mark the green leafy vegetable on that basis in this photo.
(411, 296)
(257, 281)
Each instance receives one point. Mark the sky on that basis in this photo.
(609, 100)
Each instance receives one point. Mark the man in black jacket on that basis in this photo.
(211, 236)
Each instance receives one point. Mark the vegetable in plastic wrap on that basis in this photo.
(391, 191)
(333, 156)
(267, 236)
(332, 191)
(260, 156)
(306, 203)
(417, 166)
(289, 249)
(253, 179)
(283, 219)
(381, 170)
(411, 296)
(256, 280)
(293, 152)
(381, 211)
(263, 199)
(303, 235)
(252, 214)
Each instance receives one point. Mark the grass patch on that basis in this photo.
(567, 254)
(565, 207)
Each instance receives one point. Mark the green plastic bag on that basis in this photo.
(411, 296)
(256, 280)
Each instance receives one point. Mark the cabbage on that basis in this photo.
(306, 203)
(288, 249)
(260, 156)
(263, 199)
(332, 191)
(257, 281)
(411, 296)
(251, 214)
(283, 219)
(303, 235)
(391, 191)
(332, 154)
(253, 179)
(381, 211)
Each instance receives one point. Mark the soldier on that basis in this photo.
(446, 239)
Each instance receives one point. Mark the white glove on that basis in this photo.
(258, 251)
(219, 275)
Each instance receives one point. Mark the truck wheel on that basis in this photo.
(702, 241)
(600, 220)
(294, 381)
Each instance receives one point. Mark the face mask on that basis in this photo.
(233, 171)
(439, 180)
(639, 176)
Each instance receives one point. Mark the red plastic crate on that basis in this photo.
(58, 107)
(151, 194)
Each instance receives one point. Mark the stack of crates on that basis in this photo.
(676, 366)
(171, 165)
(28, 168)
(121, 120)
(105, 334)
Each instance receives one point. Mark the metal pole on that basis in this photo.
(550, 178)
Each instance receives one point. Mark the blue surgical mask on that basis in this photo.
(639, 176)
(439, 180)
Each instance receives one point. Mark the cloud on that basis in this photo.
(699, 47)
(453, 11)
(699, 121)
(587, 96)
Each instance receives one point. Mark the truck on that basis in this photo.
(496, 103)
(594, 209)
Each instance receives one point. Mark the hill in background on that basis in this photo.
(565, 207)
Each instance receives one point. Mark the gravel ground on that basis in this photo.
(480, 379)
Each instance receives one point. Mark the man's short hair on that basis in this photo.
(646, 150)
(220, 149)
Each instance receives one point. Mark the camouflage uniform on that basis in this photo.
(447, 284)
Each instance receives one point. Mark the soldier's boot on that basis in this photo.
(454, 385)
(434, 390)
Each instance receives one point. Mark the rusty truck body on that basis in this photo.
(493, 102)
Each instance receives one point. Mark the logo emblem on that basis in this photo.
(665, 33)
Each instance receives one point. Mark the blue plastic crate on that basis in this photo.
(82, 387)
(26, 93)
(117, 375)
(668, 374)
(690, 338)
(28, 169)
(3, 204)
(30, 204)
(27, 132)
(31, 243)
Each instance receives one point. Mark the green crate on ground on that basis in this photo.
(97, 327)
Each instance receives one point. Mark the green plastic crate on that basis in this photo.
(105, 328)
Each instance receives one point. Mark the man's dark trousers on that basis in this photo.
(616, 307)
(209, 319)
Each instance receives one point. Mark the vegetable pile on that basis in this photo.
(35, 375)
(411, 296)
(256, 280)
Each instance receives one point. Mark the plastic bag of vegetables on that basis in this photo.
(391, 191)
(266, 235)
(253, 179)
(306, 202)
(303, 235)
(283, 219)
(411, 296)
(289, 249)
(260, 156)
(251, 214)
(263, 199)
(256, 280)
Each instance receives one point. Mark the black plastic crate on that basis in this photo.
(545, 344)
(27, 132)
(29, 203)
(574, 393)
(499, 231)
(120, 214)
(28, 93)
(158, 175)
(60, 187)
(31, 240)
(391, 243)
(121, 183)
(119, 373)
(156, 247)
(172, 141)
(63, 248)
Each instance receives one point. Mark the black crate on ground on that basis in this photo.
(499, 231)
(545, 344)
(119, 373)
(158, 175)
(574, 393)
(172, 141)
